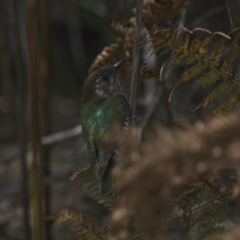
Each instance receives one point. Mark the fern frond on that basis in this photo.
(215, 56)
(203, 48)
(197, 185)
(193, 72)
(85, 228)
(89, 178)
(195, 45)
(227, 66)
(208, 78)
(119, 25)
(110, 202)
(201, 59)
(107, 56)
(227, 106)
(222, 90)
(214, 176)
(236, 79)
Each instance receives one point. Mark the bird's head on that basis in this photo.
(104, 82)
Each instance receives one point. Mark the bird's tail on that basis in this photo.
(106, 187)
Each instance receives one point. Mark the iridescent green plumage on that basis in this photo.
(103, 106)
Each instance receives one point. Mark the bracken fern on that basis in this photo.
(204, 61)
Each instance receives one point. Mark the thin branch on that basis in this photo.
(47, 140)
(136, 54)
(167, 104)
(206, 205)
(209, 184)
(150, 110)
(61, 136)
(231, 14)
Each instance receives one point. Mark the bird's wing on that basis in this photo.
(111, 111)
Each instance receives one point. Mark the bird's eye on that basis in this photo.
(106, 78)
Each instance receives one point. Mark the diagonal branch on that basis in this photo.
(231, 14)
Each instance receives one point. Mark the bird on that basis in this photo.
(103, 105)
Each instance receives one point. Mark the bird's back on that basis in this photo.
(98, 120)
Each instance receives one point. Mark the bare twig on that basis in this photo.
(231, 14)
(167, 104)
(206, 205)
(136, 54)
(150, 109)
(61, 136)
(47, 140)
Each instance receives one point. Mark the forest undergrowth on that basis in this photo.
(181, 182)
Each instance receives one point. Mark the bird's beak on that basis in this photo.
(118, 65)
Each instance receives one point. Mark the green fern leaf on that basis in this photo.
(236, 79)
(204, 60)
(195, 45)
(214, 176)
(208, 78)
(227, 106)
(227, 66)
(193, 72)
(215, 56)
(203, 48)
(222, 90)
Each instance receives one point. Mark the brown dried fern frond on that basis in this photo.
(80, 173)
(107, 56)
(84, 227)
(214, 176)
(110, 202)
(119, 25)
(87, 175)
(161, 13)
(157, 170)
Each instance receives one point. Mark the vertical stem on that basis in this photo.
(6, 82)
(20, 79)
(167, 105)
(231, 14)
(136, 54)
(44, 72)
(36, 178)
